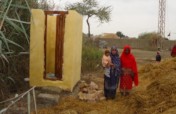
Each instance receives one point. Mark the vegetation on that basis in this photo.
(150, 35)
(120, 34)
(91, 8)
(91, 57)
(155, 38)
(14, 43)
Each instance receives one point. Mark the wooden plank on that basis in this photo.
(59, 45)
(45, 46)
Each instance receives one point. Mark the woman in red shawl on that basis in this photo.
(129, 71)
(173, 52)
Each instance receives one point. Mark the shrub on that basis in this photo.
(151, 36)
(91, 57)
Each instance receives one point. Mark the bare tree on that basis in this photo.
(91, 8)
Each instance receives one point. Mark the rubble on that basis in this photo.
(90, 92)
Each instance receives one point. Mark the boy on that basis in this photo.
(158, 57)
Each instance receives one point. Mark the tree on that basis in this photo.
(91, 8)
(120, 34)
(46, 4)
(155, 38)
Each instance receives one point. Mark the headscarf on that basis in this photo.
(128, 61)
(114, 48)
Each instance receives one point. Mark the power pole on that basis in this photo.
(161, 22)
(162, 17)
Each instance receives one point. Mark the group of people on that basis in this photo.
(173, 53)
(119, 70)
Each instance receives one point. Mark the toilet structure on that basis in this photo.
(55, 48)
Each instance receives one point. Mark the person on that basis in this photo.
(173, 52)
(106, 63)
(129, 71)
(158, 57)
(111, 79)
(115, 70)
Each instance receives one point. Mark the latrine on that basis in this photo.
(55, 48)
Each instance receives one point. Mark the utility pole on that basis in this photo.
(162, 17)
(161, 21)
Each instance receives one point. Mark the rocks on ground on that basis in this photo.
(90, 92)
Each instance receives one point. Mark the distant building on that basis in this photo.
(109, 35)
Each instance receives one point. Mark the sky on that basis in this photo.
(131, 17)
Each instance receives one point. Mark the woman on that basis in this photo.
(111, 81)
(129, 71)
(173, 52)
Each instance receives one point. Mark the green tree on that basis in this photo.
(120, 34)
(91, 8)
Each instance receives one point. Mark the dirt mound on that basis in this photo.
(160, 94)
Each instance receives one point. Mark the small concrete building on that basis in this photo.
(55, 48)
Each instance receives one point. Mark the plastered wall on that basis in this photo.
(72, 50)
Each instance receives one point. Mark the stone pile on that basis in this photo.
(90, 92)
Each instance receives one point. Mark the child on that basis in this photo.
(106, 62)
(158, 57)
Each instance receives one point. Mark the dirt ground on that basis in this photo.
(154, 95)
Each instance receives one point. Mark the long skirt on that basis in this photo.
(110, 86)
(126, 83)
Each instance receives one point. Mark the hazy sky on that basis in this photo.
(132, 17)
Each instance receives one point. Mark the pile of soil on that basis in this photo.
(159, 93)
(155, 94)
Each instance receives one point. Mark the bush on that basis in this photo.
(91, 57)
(151, 36)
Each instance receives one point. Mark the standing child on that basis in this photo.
(158, 57)
(106, 62)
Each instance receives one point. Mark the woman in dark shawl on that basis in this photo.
(111, 83)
